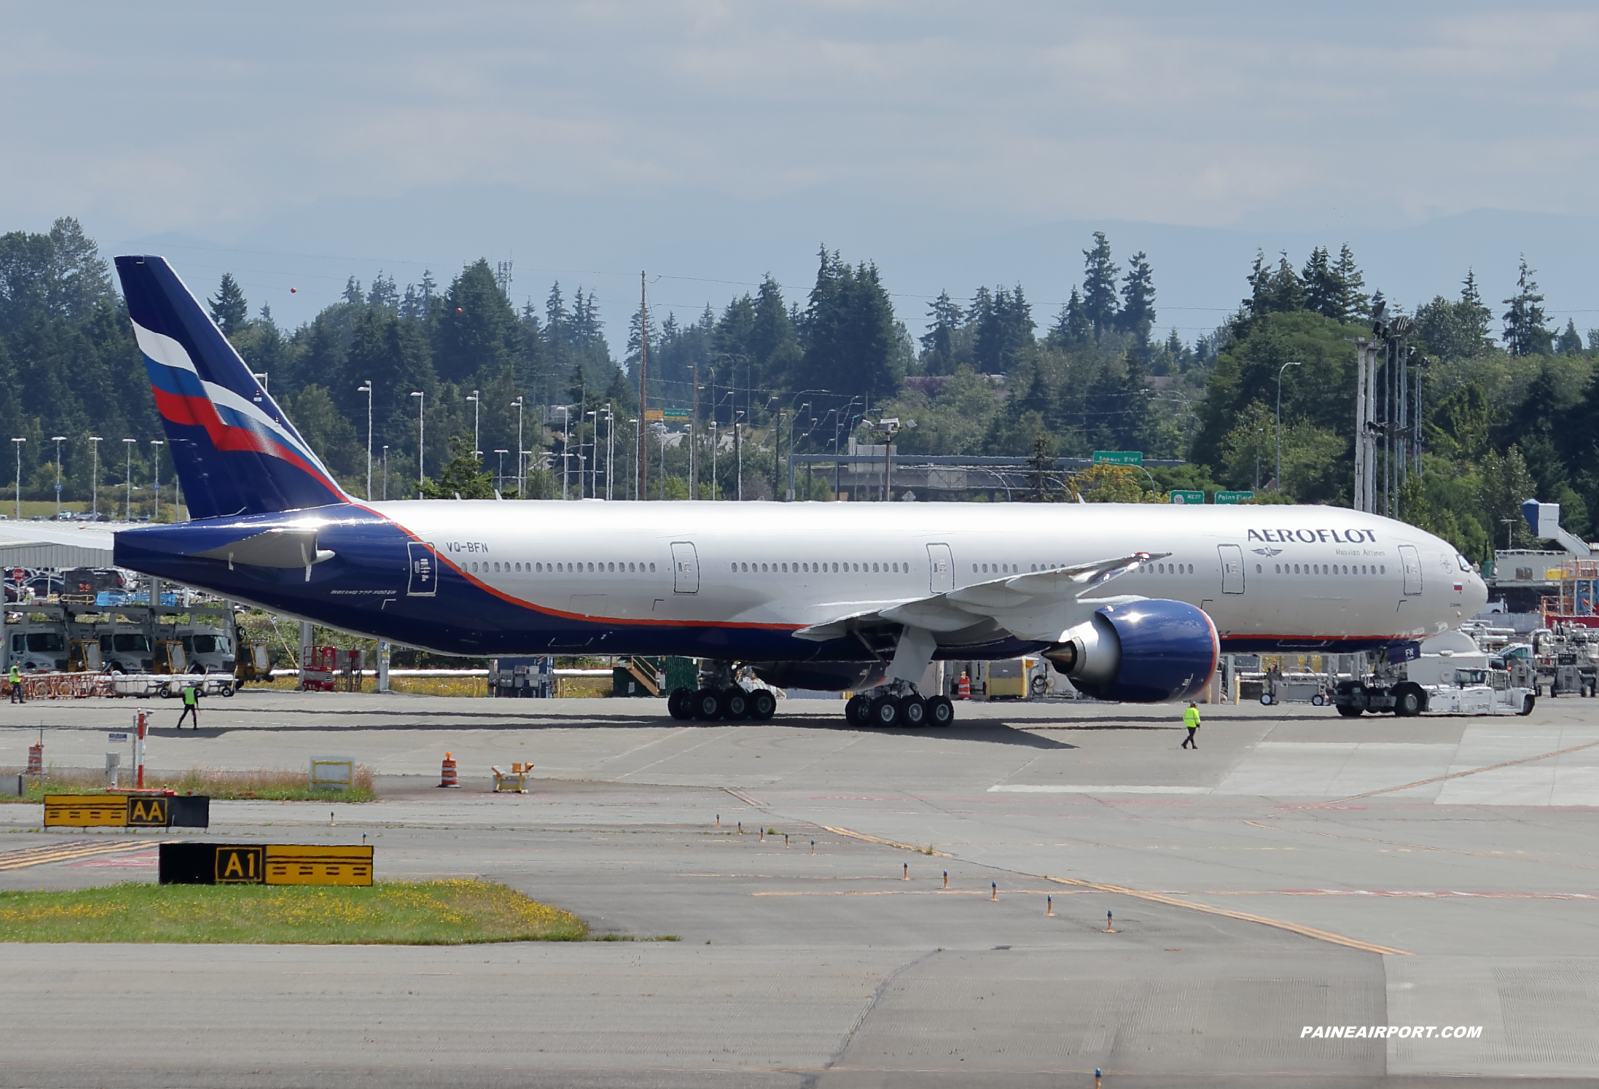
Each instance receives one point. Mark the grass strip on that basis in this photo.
(388, 913)
(264, 783)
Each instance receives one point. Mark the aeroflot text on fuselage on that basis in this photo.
(1313, 536)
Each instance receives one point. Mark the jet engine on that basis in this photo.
(1140, 652)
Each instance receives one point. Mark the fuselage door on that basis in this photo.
(940, 569)
(1411, 559)
(424, 569)
(685, 568)
(1232, 569)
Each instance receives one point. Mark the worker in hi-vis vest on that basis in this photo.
(191, 705)
(1191, 720)
(16, 684)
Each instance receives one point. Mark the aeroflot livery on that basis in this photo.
(1131, 602)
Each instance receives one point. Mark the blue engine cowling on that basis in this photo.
(1141, 652)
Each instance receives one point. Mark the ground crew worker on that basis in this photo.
(16, 684)
(191, 705)
(1191, 720)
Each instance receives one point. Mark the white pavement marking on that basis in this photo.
(1081, 788)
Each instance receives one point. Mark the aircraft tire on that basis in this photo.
(855, 711)
(735, 703)
(1348, 711)
(1526, 704)
(913, 712)
(885, 712)
(707, 704)
(940, 711)
(1409, 700)
(680, 704)
(763, 705)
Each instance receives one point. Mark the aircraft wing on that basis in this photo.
(1035, 605)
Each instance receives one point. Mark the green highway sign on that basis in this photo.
(1118, 457)
(1185, 498)
(674, 413)
(1234, 497)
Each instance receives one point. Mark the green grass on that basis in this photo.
(388, 913)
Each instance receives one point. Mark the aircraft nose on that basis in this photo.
(1476, 594)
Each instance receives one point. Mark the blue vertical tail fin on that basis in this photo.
(235, 451)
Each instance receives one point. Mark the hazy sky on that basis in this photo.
(953, 144)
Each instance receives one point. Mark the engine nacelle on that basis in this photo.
(823, 676)
(1141, 652)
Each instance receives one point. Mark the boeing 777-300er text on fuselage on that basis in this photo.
(1131, 602)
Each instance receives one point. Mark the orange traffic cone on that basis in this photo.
(963, 687)
(447, 776)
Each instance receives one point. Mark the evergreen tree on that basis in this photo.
(1352, 301)
(1004, 328)
(228, 308)
(1138, 300)
(945, 319)
(1525, 333)
(1099, 285)
(1072, 326)
(850, 339)
(1323, 292)
(1570, 341)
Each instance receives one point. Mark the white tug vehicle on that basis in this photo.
(1459, 678)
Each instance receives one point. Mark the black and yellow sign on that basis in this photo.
(270, 864)
(239, 866)
(126, 811)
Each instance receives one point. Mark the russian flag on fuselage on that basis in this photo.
(235, 451)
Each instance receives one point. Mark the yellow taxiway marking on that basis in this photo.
(52, 852)
(885, 842)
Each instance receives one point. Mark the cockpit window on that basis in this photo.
(1465, 564)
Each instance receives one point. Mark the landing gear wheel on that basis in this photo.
(735, 703)
(940, 711)
(913, 712)
(707, 704)
(762, 705)
(1348, 711)
(680, 704)
(857, 711)
(885, 712)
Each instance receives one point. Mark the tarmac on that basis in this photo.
(1298, 871)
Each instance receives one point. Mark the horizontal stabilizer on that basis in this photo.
(274, 548)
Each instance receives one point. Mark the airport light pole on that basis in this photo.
(566, 440)
(610, 449)
(17, 510)
(127, 479)
(476, 405)
(158, 444)
(1280, 370)
(594, 462)
(58, 440)
(421, 446)
(367, 389)
(635, 464)
(499, 472)
(94, 477)
(385, 472)
(521, 451)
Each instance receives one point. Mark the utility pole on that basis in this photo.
(385, 472)
(693, 434)
(521, 454)
(127, 478)
(643, 388)
(566, 441)
(421, 444)
(158, 444)
(367, 389)
(17, 510)
(94, 477)
(58, 440)
(476, 404)
(1280, 370)
(610, 450)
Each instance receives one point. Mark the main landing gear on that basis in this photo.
(889, 709)
(729, 703)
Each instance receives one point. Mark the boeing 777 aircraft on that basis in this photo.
(1131, 602)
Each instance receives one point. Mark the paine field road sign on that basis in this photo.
(268, 864)
(1234, 497)
(674, 413)
(1187, 499)
(1118, 457)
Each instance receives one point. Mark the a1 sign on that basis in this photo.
(1118, 457)
(1234, 497)
(1187, 499)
